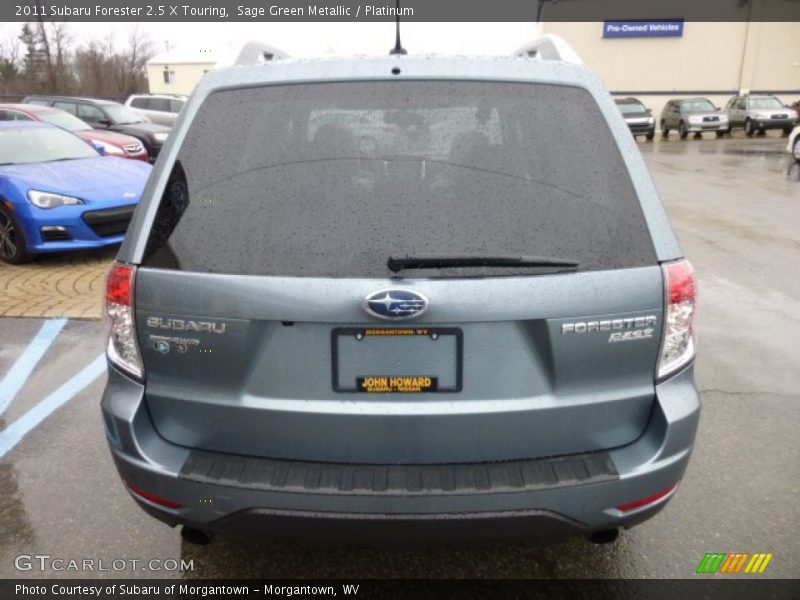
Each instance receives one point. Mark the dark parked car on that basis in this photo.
(105, 114)
(110, 142)
(639, 118)
(483, 332)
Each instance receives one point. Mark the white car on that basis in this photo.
(157, 108)
(793, 147)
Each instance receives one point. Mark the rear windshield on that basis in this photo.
(331, 179)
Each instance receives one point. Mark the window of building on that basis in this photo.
(169, 76)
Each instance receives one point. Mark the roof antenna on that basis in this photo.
(398, 47)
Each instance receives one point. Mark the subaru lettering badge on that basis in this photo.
(395, 304)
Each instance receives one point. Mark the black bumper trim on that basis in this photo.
(110, 221)
(429, 528)
(391, 480)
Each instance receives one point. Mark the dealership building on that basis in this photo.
(658, 60)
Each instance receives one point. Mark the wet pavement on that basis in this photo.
(737, 216)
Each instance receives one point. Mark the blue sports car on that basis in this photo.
(58, 193)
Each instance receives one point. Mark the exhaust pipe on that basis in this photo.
(194, 536)
(606, 536)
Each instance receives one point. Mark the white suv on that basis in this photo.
(793, 147)
(158, 108)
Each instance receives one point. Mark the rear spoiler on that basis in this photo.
(550, 47)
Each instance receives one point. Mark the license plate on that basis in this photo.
(396, 360)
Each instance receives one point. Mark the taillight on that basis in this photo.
(152, 497)
(677, 345)
(629, 506)
(122, 350)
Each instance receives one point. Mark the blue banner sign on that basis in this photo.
(617, 29)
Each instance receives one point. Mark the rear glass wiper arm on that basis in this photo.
(425, 261)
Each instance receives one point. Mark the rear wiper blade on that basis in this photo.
(427, 261)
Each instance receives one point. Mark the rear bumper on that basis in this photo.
(548, 498)
(773, 123)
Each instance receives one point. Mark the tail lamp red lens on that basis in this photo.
(122, 350)
(119, 286)
(629, 506)
(678, 344)
(152, 497)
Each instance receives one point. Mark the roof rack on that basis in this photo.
(253, 53)
(550, 47)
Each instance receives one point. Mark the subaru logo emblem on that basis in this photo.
(395, 304)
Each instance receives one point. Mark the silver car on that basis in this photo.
(482, 332)
(157, 108)
(693, 115)
(757, 114)
(639, 118)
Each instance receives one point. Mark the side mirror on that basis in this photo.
(649, 111)
(100, 149)
(105, 122)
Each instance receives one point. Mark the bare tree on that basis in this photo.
(43, 59)
(59, 42)
(9, 65)
(132, 66)
(102, 70)
(9, 48)
(91, 68)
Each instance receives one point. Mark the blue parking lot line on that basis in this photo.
(27, 361)
(15, 432)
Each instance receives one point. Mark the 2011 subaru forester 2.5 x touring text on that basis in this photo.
(394, 299)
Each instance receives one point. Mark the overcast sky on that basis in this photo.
(317, 39)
